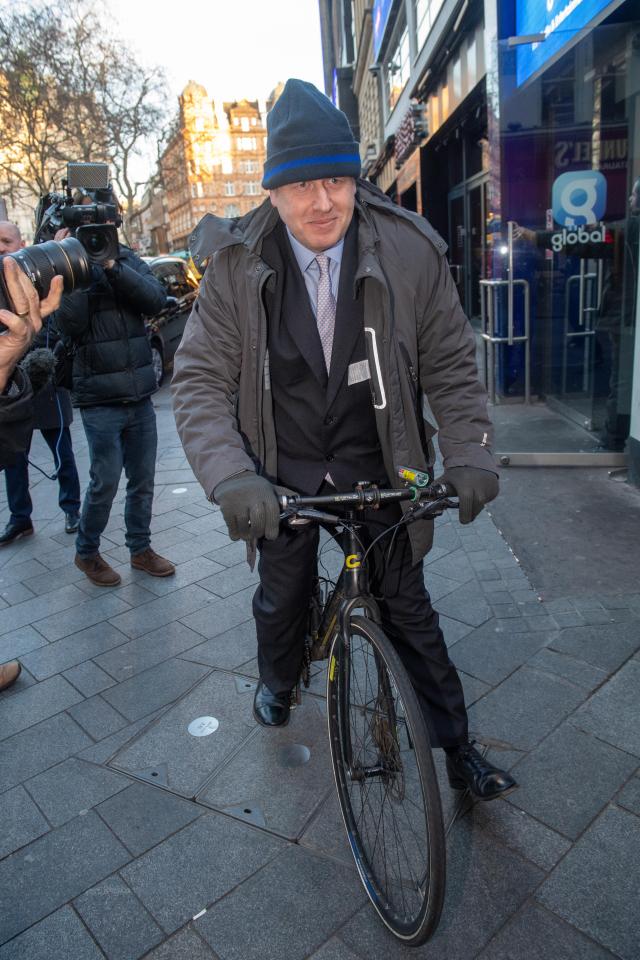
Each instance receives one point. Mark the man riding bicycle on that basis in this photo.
(324, 319)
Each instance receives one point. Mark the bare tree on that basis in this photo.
(70, 90)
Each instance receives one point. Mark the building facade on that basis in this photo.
(514, 126)
(213, 161)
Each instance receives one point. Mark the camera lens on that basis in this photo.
(65, 258)
(95, 243)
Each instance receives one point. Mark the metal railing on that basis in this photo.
(488, 312)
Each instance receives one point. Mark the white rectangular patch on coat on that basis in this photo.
(358, 372)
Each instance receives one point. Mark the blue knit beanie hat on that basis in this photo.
(307, 138)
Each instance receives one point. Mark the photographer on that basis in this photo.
(52, 416)
(113, 380)
(16, 394)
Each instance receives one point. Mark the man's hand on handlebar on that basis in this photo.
(474, 488)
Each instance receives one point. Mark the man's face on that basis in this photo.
(317, 212)
(10, 240)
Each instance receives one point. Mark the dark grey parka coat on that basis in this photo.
(419, 345)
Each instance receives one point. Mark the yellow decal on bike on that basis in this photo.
(352, 561)
(332, 669)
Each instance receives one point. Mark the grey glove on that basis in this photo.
(249, 507)
(474, 488)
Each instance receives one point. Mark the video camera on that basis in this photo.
(93, 240)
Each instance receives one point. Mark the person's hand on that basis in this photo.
(62, 233)
(249, 507)
(23, 324)
(474, 487)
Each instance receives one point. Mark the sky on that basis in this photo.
(234, 48)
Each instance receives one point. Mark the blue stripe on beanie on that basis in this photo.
(325, 159)
(308, 138)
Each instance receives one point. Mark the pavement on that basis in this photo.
(124, 835)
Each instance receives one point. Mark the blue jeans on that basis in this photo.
(121, 435)
(17, 477)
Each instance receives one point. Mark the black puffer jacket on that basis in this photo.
(112, 363)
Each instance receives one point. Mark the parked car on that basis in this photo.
(165, 329)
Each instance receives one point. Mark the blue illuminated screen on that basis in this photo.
(381, 11)
(559, 20)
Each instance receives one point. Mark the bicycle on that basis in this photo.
(379, 740)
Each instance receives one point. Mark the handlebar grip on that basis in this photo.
(442, 490)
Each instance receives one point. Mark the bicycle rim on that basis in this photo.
(386, 782)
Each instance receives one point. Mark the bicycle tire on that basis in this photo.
(368, 669)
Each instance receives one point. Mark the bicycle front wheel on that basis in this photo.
(386, 781)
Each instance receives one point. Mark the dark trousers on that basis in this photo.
(281, 604)
(17, 476)
(120, 436)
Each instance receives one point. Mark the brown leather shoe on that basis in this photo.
(152, 563)
(98, 570)
(9, 673)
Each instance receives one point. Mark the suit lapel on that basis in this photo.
(301, 323)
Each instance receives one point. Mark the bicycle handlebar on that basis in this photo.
(371, 496)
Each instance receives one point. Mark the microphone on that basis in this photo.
(39, 365)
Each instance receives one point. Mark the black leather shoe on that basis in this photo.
(468, 770)
(71, 522)
(270, 709)
(14, 530)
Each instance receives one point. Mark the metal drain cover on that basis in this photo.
(203, 726)
(294, 755)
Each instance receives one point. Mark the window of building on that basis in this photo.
(227, 166)
(244, 123)
(246, 143)
(236, 121)
(231, 210)
(426, 13)
(252, 188)
(229, 188)
(397, 68)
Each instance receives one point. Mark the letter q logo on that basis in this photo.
(579, 198)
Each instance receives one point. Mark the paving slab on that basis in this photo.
(197, 571)
(36, 608)
(229, 650)
(102, 751)
(184, 945)
(196, 866)
(577, 671)
(251, 924)
(163, 610)
(80, 616)
(21, 820)
(36, 703)
(118, 921)
(53, 869)
(40, 747)
(60, 935)
(154, 688)
(611, 713)
(142, 816)
(497, 649)
(629, 796)
(606, 646)
(519, 831)
(189, 761)
(486, 884)
(73, 787)
(595, 887)
(285, 772)
(536, 934)
(66, 653)
(334, 949)
(585, 772)
(20, 641)
(136, 655)
(219, 616)
(88, 678)
(464, 604)
(524, 708)
(98, 717)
